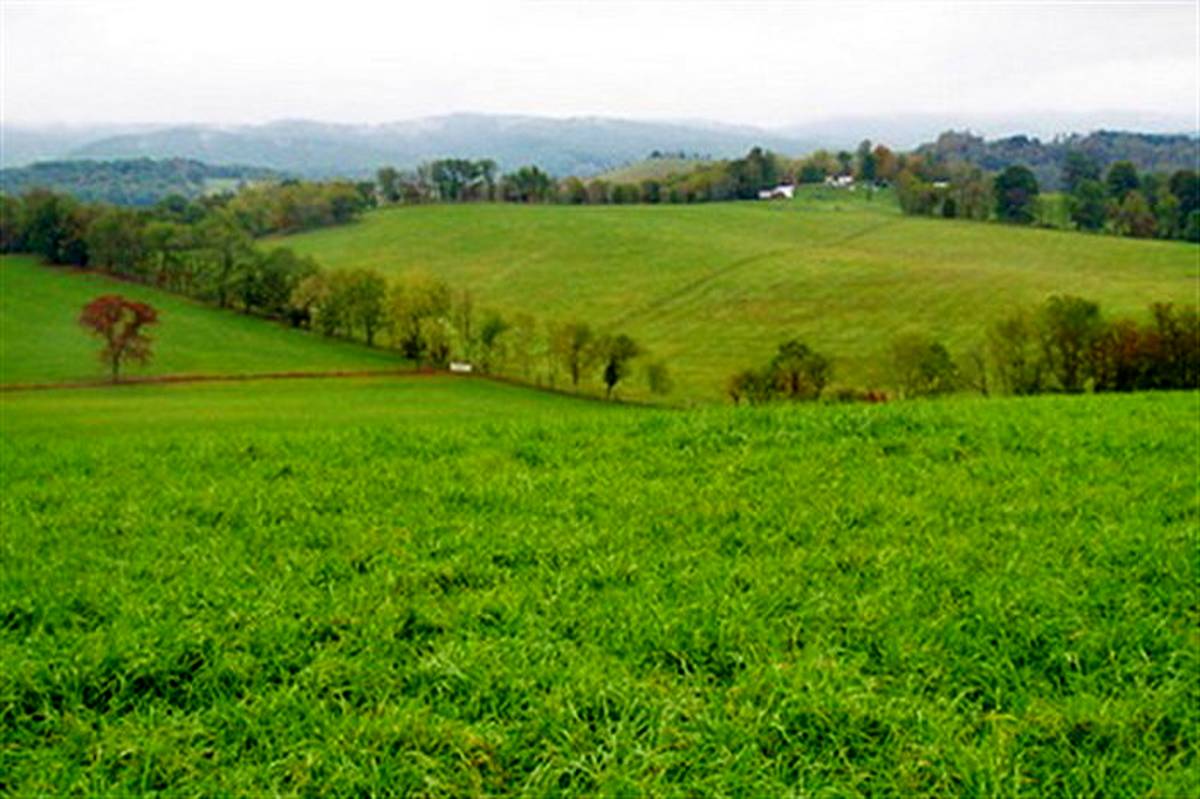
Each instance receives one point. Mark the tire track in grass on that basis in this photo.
(702, 282)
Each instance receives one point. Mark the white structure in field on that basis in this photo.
(784, 191)
(460, 367)
(840, 181)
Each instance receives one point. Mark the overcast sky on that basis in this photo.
(770, 63)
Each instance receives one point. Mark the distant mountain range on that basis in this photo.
(582, 146)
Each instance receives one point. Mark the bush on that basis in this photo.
(796, 372)
(922, 366)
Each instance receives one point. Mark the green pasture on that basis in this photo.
(41, 340)
(714, 288)
(242, 406)
(452, 588)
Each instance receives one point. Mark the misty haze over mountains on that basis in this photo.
(581, 146)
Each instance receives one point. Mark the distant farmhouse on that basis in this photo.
(784, 191)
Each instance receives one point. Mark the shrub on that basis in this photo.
(922, 366)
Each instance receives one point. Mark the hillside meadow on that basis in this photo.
(441, 587)
(715, 288)
(41, 340)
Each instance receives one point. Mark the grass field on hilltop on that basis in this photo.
(453, 588)
(652, 169)
(715, 288)
(41, 340)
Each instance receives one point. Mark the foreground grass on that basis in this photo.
(41, 340)
(965, 598)
(715, 288)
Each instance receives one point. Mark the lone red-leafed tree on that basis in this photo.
(119, 323)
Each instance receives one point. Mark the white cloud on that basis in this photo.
(766, 63)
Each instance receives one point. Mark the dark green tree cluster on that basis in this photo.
(457, 180)
(1121, 201)
(1050, 160)
(293, 205)
(203, 248)
(796, 372)
(133, 182)
(1127, 203)
(961, 192)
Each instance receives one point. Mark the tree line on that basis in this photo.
(1064, 345)
(428, 322)
(1119, 201)
(1149, 152)
(464, 180)
(203, 248)
(131, 181)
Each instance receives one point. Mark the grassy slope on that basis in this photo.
(651, 168)
(715, 288)
(41, 341)
(318, 595)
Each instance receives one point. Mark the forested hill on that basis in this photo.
(1149, 152)
(139, 181)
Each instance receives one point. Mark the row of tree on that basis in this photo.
(1064, 345)
(1121, 201)
(463, 180)
(57, 226)
(209, 256)
(428, 322)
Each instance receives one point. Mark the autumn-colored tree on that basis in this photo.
(118, 322)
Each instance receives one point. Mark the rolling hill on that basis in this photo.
(41, 341)
(573, 146)
(715, 288)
